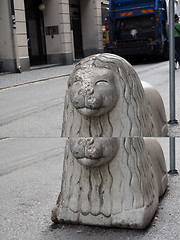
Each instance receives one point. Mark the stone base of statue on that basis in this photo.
(113, 182)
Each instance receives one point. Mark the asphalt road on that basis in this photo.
(35, 110)
(31, 159)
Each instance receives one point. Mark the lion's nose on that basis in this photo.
(86, 90)
(90, 90)
(93, 101)
(93, 152)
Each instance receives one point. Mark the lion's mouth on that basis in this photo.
(88, 111)
(91, 162)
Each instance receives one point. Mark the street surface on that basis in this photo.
(35, 110)
(31, 159)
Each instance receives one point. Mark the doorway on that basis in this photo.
(75, 15)
(35, 32)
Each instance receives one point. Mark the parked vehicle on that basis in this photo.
(138, 27)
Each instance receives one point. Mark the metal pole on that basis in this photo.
(173, 169)
(171, 63)
(172, 85)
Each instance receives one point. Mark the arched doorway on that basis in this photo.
(35, 32)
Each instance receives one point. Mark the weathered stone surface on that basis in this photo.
(105, 98)
(119, 190)
(157, 108)
(112, 176)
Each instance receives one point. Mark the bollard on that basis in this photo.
(173, 169)
(112, 175)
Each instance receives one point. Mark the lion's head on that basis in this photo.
(105, 98)
(94, 91)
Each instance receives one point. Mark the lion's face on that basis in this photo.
(93, 152)
(94, 91)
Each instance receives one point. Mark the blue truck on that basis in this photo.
(138, 27)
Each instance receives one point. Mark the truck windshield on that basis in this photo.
(130, 2)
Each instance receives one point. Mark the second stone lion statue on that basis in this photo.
(105, 98)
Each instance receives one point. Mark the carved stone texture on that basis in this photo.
(112, 176)
(105, 98)
(111, 182)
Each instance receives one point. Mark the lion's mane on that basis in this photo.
(112, 192)
(131, 116)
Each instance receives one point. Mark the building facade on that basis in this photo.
(38, 32)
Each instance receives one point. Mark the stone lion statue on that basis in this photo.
(105, 98)
(112, 176)
(111, 182)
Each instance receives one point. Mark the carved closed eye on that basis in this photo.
(101, 83)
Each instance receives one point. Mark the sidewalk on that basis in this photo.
(14, 79)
